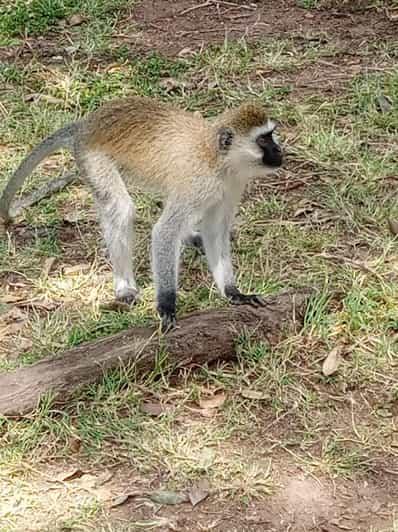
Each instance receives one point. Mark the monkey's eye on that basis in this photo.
(225, 138)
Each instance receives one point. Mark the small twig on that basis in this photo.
(241, 15)
(225, 3)
(354, 263)
(194, 8)
(49, 188)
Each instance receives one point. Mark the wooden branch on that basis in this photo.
(201, 338)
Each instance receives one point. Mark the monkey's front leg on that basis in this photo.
(166, 244)
(216, 229)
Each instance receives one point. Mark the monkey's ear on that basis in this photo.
(225, 137)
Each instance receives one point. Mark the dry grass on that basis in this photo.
(322, 223)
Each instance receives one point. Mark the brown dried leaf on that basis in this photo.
(248, 393)
(393, 226)
(208, 412)
(78, 269)
(198, 492)
(71, 475)
(116, 306)
(154, 409)
(170, 84)
(104, 477)
(76, 19)
(24, 344)
(36, 96)
(168, 497)
(12, 298)
(385, 104)
(48, 264)
(331, 363)
(51, 99)
(13, 328)
(73, 217)
(118, 501)
(39, 304)
(75, 444)
(121, 499)
(207, 457)
(214, 402)
(186, 52)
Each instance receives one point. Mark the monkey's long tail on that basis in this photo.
(63, 138)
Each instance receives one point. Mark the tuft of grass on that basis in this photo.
(329, 232)
(21, 18)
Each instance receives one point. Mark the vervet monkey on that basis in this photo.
(199, 166)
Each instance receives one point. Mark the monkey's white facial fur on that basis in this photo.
(256, 154)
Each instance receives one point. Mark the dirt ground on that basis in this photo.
(172, 27)
(300, 501)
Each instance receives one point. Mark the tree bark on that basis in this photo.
(201, 338)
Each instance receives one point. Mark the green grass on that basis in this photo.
(36, 17)
(330, 233)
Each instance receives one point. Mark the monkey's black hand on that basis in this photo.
(235, 297)
(167, 310)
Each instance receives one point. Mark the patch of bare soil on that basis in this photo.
(300, 503)
(169, 27)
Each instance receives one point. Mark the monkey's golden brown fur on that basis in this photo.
(151, 138)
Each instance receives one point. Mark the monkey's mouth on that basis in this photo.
(275, 162)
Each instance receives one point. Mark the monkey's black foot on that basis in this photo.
(235, 297)
(195, 240)
(167, 309)
(168, 322)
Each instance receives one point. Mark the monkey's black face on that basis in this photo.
(272, 152)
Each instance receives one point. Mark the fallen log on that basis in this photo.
(200, 338)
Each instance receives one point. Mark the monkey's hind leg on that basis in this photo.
(116, 215)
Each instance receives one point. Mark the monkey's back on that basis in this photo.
(155, 144)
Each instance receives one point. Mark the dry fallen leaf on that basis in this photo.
(207, 457)
(331, 362)
(48, 264)
(115, 306)
(185, 52)
(168, 497)
(393, 226)
(71, 475)
(121, 499)
(78, 269)
(118, 501)
(73, 217)
(385, 103)
(75, 444)
(213, 402)
(208, 412)
(76, 19)
(12, 298)
(247, 393)
(24, 344)
(36, 96)
(154, 409)
(171, 84)
(104, 477)
(198, 492)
